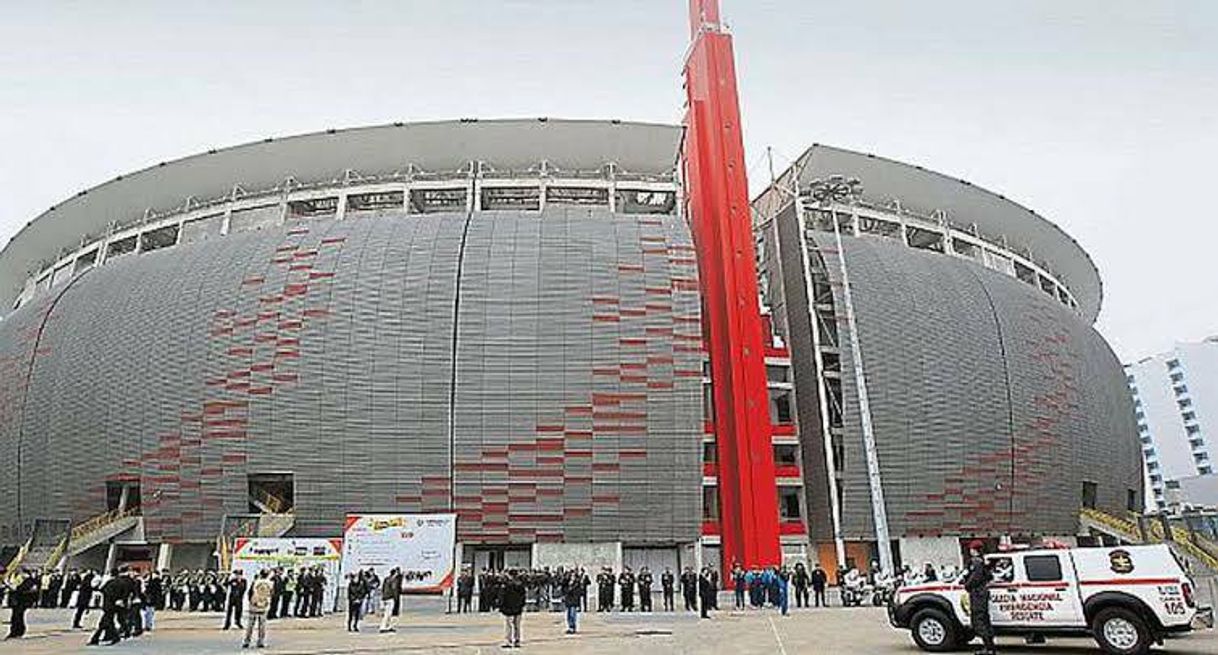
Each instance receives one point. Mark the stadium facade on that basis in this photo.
(503, 319)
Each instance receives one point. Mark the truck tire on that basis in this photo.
(934, 631)
(1121, 632)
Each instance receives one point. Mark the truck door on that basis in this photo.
(1047, 591)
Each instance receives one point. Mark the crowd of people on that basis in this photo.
(129, 600)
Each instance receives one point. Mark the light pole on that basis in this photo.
(838, 189)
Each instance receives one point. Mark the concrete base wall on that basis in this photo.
(590, 556)
(939, 551)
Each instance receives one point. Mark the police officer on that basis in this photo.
(976, 583)
(626, 582)
(604, 584)
(666, 583)
(645, 581)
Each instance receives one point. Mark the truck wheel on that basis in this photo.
(1121, 632)
(933, 631)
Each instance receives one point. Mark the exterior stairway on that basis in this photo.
(47, 543)
(101, 529)
(1198, 555)
(235, 526)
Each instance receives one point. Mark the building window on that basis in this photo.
(1177, 377)
(1200, 457)
(1173, 364)
(1204, 470)
(1131, 500)
(1089, 495)
(788, 503)
(710, 503)
(786, 454)
(780, 409)
(710, 453)
(776, 373)
(1151, 466)
(1192, 429)
(1180, 390)
(1184, 402)
(1189, 416)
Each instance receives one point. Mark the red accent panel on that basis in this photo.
(718, 200)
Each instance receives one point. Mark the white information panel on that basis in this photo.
(254, 554)
(421, 545)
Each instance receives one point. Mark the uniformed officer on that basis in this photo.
(604, 587)
(626, 582)
(645, 580)
(667, 582)
(976, 583)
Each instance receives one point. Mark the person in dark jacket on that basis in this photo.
(391, 599)
(667, 584)
(977, 584)
(84, 596)
(20, 599)
(465, 592)
(572, 596)
(114, 601)
(645, 582)
(819, 579)
(70, 584)
(706, 592)
(929, 574)
(689, 589)
(626, 582)
(800, 580)
(236, 599)
(511, 605)
(357, 589)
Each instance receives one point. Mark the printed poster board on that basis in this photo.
(254, 554)
(421, 545)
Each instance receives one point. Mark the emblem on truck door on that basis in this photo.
(1121, 561)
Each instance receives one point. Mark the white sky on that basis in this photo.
(1102, 115)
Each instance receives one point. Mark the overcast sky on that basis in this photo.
(1101, 115)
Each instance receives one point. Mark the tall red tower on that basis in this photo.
(718, 207)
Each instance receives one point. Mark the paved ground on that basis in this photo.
(425, 628)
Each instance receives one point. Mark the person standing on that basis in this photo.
(237, 586)
(667, 583)
(738, 585)
(84, 597)
(276, 594)
(465, 591)
(391, 597)
(511, 605)
(929, 574)
(819, 580)
(689, 589)
(706, 592)
(645, 582)
(70, 584)
(801, 580)
(783, 580)
(626, 582)
(154, 598)
(356, 590)
(23, 595)
(604, 584)
(319, 590)
(289, 590)
(572, 596)
(584, 582)
(977, 584)
(261, 594)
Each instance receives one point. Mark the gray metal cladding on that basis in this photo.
(324, 349)
(992, 403)
(578, 396)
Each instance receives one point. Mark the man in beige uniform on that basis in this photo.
(261, 593)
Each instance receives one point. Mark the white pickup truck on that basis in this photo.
(1126, 597)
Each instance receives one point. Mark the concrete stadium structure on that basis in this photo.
(997, 409)
(502, 319)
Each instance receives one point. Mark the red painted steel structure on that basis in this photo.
(718, 207)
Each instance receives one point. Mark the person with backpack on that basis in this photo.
(511, 605)
(260, 595)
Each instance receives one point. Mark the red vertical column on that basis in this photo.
(718, 209)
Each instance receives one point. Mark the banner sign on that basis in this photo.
(420, 545)
(252, 555)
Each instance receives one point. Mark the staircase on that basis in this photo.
(1197, 552)
(47, 543)
(101, 529)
